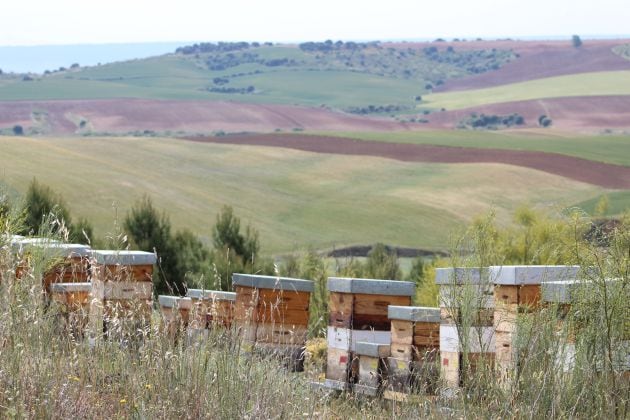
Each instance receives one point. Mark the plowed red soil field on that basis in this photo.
(127, 115)
(596, 173)
(580, 114)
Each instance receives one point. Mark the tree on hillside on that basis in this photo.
(226, 234)
(576, 41)
(382, 263)
(18, 130)
(41, 202)
(150, 231)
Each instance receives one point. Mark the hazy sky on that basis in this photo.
(36, 22)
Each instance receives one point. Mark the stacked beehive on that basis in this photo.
(517, 292)
(74, 302)
(466, 325)
(371, 367)
(122, 293)
(175, 312)
(561, 296)
(70, 264)
(27, 254)
(358, 313)
(211, 308)
(271, 314)
(415, 350)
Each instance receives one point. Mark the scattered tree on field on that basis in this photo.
(576, 41)
(18, 130)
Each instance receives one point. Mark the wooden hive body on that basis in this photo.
(414, 349)
(358, 312)
(211, 308)
(272, 313)
(517, 294)
(122, 293)
(466, 300)
(74, 302)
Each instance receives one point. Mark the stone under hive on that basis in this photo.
(272, 313)
(517, 293)
(415, 349)
(122, 292)
(358, 312)
(466, 326)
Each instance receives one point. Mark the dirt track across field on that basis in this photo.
(596, 173)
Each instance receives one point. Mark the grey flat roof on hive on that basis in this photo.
(513, 275)
(364, 348)
(566, 291)
(413, 313)
(271, 282)
(107, 257)
(70, 287)
(173, 301)
(210, 294)
(371, 286)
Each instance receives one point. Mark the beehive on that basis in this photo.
(211, 308)
(371, 367)
(466, 303)
(271, 314)
(561, 295)
(517, 293)
(73, 300)
(122, 292)
(415, 348)
(359, 313)
(27, 253)
(175, 312)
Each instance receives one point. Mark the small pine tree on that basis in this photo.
(382, 263)
(40, 202)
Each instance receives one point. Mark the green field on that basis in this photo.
(608, 149)
(339, 79)
(296, 199)
(618, 203)
(584, 84)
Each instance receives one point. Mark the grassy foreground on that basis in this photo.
(293, 198)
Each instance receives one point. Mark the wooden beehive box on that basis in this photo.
(272, 312)
(71, 264)
(561, 296)
(28, 254)
(73, 300)
(517, 292)
(211, 308)
(122, 291)
(466, 301)
(359, 313)
(175, 312)
(415, 348)
(371, 367)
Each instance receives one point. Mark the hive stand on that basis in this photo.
(517, 293)
(414, 350)
(175, 312)
(358, 313)
(211, 308)
(271, 315)
(466, 323)
(73, 300)
(122, 293)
